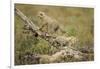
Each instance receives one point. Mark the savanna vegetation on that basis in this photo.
(75, 21)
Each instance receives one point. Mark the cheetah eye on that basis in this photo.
(41, 14)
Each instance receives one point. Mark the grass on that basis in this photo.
(78, 22)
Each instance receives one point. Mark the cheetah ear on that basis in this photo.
(41, 12)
